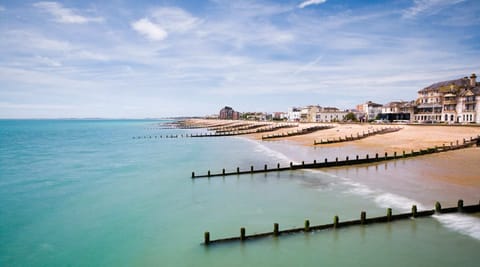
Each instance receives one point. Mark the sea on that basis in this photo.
(113, 193)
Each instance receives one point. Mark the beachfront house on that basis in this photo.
(294, 114)
(330, 114)
(397, 111)
(453, 101)
(370, 109)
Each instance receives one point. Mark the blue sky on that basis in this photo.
(139, 59)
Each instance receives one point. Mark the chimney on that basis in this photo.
(473, 80)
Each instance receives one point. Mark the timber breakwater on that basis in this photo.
(358, 136)
(348, 161)
(336, 223)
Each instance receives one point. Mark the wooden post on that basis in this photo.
(414, 211)
(403, 153)
(307, 226)
(223, 171)
(389, 214)
(238, 170)
(291, 164)
(326, 160)
(376, 155)
(314, 162)
(367, 156)
(278, 165)
(395, 154)
(356, 157)
(242, 233)
(363, 217)
(438, 207)
(265, 167)
(335, 221)
(193, 174)
(460, 205)
(208, 174)
(386, 155)
(303, 162)
(206, 238)
(251, 168)
(275, 229)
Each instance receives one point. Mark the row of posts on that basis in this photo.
(363, 221)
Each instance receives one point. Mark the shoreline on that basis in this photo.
(459, 168)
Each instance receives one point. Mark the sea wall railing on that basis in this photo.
(348, 161)
(336, 223)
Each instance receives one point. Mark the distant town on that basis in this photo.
(454, 101)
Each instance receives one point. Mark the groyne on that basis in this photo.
(336, 223)
(358, 136)
(306, 130)
(348, 161)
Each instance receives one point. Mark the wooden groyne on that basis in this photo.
(306, 130)
(253, 131)
(347, 162)
(358, 136)
(336, 223)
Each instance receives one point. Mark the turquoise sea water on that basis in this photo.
(84, 193)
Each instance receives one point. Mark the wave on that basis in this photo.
(464, 224)
(273, 154)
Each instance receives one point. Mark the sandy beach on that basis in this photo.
(458, 167)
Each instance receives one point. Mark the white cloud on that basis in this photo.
(175, 19)
(2, 8)
(428, 7)
(311, 2)
(65, 15)
(151, 30)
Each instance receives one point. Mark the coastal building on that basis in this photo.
(453, 101)
(309, 113)
(280, 116)
(330, 114)
(294, 114)
(398, 111)
(227, 113)
(370, 109)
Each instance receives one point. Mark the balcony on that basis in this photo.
(470, 102)
(450, 102)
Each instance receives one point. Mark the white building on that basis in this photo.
(330, 115)
(294, 114)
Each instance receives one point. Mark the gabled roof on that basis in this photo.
(446, 86)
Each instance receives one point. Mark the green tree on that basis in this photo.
(350, 117)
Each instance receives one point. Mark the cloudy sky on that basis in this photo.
(159, 58)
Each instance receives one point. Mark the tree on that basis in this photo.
(350, 117)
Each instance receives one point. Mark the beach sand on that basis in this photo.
(457, 167)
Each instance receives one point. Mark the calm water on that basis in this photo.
(84, 193)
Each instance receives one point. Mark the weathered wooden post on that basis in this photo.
(238, 170)
(314, 162)
(307, 226)
(376, 155)
(265, 167)
(395, 154)
(389, 214)
(403, 153)
(291, 165)
(208, 173)
(303, 163)
(438, 207)
(363, 217)
(275, 229)
(193, 174)
(242, 233)
(346, 159)
(223, 171)
(367, 156)
(356, 158)
(414, 211)
(326, 160)
(251, 168)
(278, 165)
(336, 160)
(460, 205)
(386, 155)
(335, 221)
(206, 238)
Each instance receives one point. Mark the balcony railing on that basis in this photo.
(449, 102)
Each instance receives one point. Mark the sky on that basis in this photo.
(138, 59)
